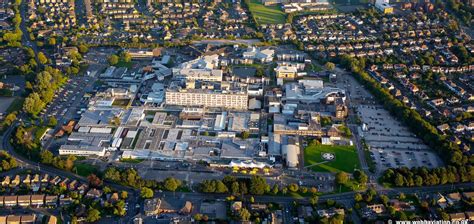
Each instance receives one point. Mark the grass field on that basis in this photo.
(346, 158)
(266, 14)
(85, 170)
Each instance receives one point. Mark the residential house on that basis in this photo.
(51, 200)
(376, 208)
(10, 201)
(24, 200)
(457, 216)
(64, 200)
(330, 212)
(37, 200)
(94, 193)
(6, 181)
(305, 211)
(401, 205)
(27, 219)
(441, 200)
(453, 198)
(15, 182)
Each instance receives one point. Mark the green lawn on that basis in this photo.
(133, 161)
(85, 170)
(266, 14)
(121, 102)
(346, 158)
(124, 64)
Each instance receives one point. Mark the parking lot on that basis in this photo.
(5, 103)
(68, 103)
(391, 143)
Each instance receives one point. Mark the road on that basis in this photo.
(340, 197)
(26, 35)
(343, 80)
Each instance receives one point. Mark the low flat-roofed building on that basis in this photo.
(37, 200)
(28, 219)
(13, 219)
(81, 150)
(100, 117)
(457, 216)
(10, 201)
(24, 200)
(86, 144)
(51, 200)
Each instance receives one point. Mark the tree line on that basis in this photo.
(130, 177)
(42, 90)
(7, 162)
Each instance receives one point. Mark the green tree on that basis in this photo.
(244, 214)
(171, 184)
(399, 180)
(146, 192)
(52, 122)
(112, 174)
(83, 48)
(124, 195)
(293, 187)
(125, 56)
(208, 186)
(197, 217)
(360, 177)
(257, 185)
(330, 66)
(46, 157)
(93, 215)
(42, 58)
(313, 200)
(52, 41)
(9, 119)
(33, 104)
(358, 197)
(275, 189)
(235, 188)
(220, 187)
(245, 134)
(342, 178)
(113, 59)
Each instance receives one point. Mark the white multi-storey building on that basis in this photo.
(206, 98)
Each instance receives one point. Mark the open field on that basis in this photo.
(346, 158)
(266, 14)
(85, 170)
